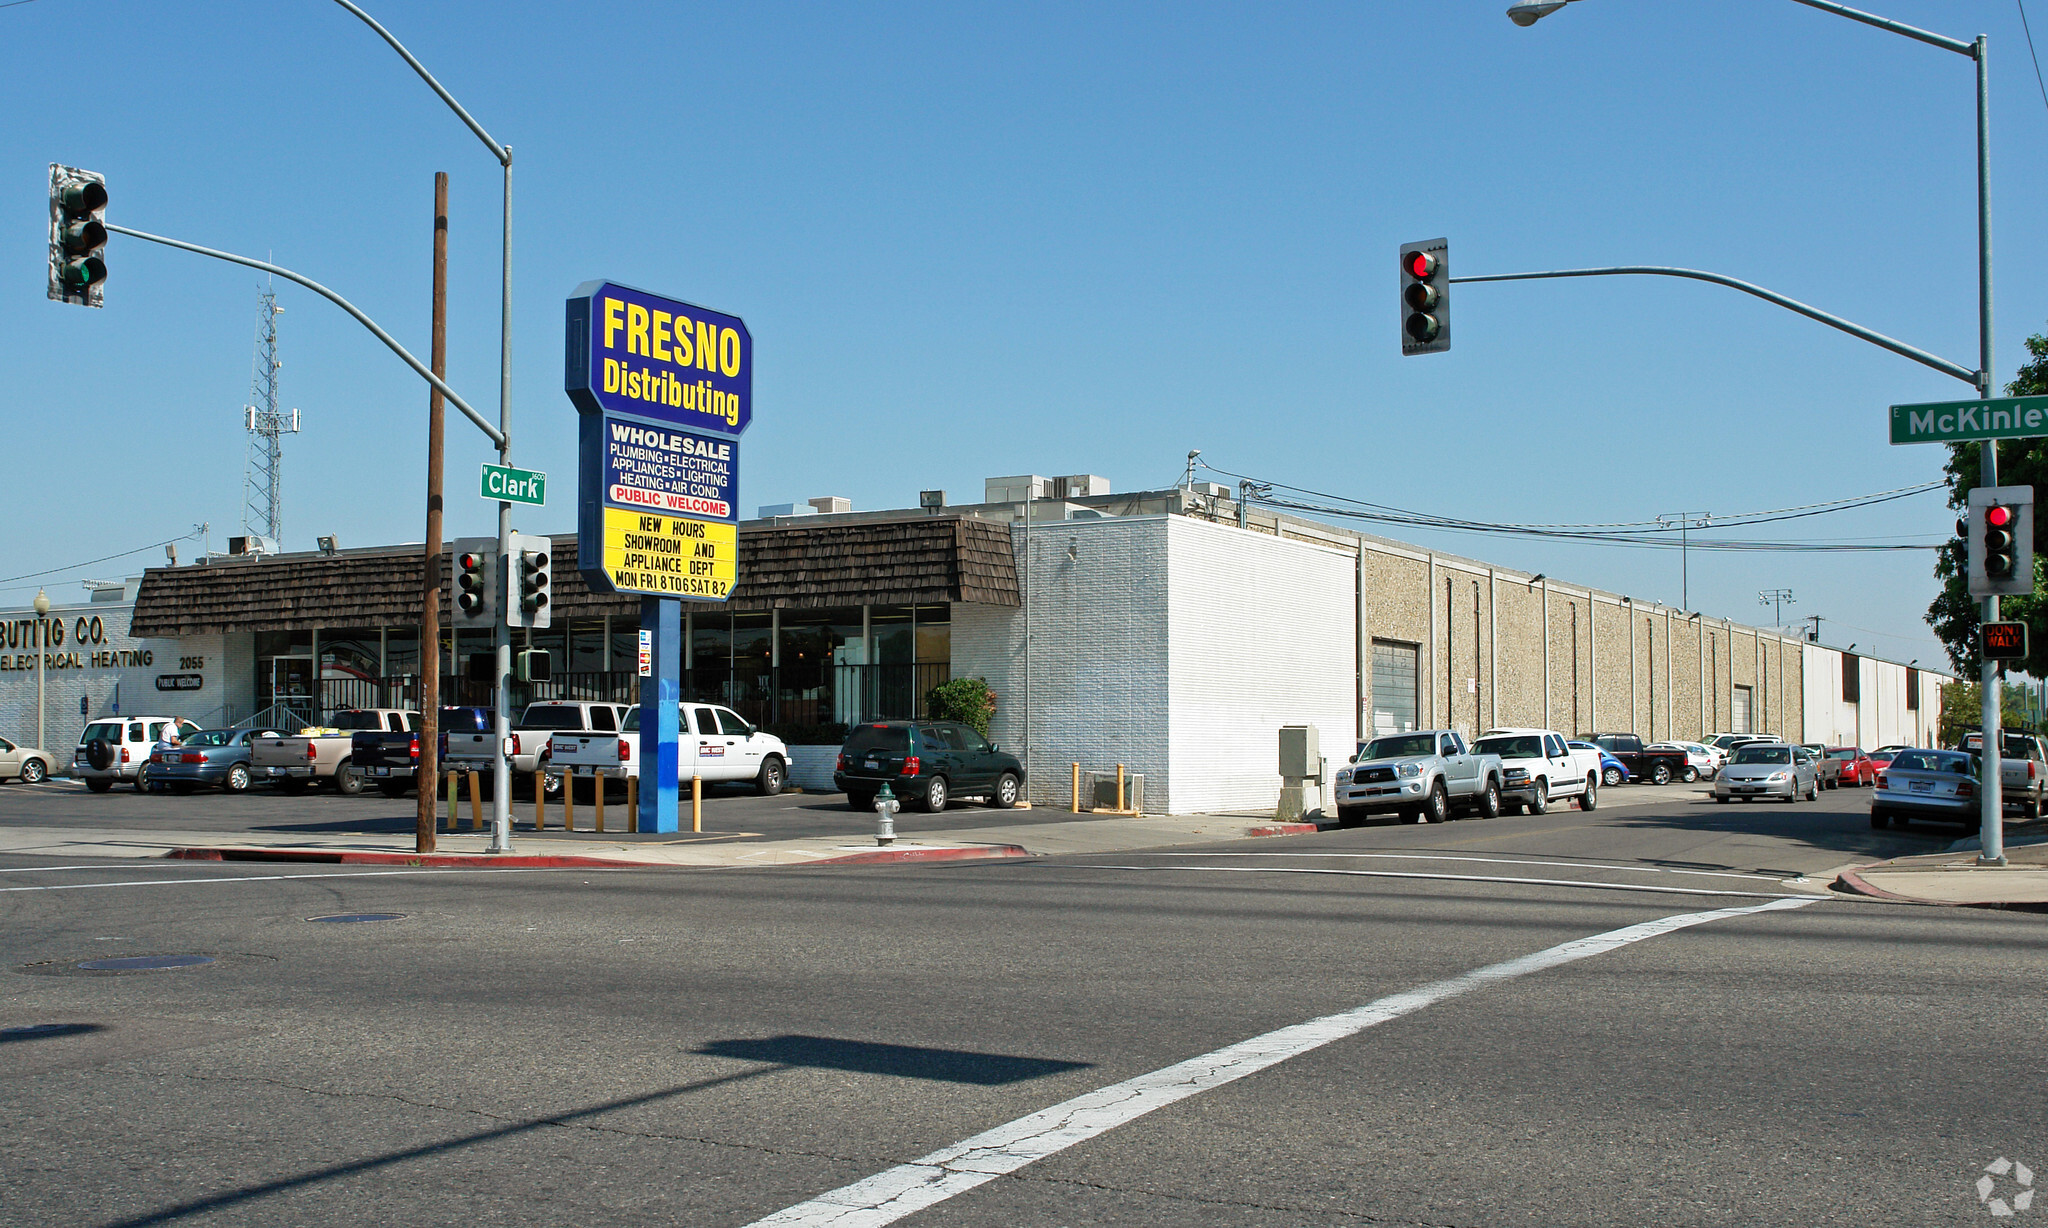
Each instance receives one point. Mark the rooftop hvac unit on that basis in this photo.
(1214, 490)
(1014, 489)
(1079, 486)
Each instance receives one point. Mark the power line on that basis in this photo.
(2030, 52)
(104, 559)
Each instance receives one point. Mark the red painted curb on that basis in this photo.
(1855, 883)
(434, 860)
(986, 852)
(1284, 829)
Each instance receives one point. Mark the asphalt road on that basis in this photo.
(714, 1047)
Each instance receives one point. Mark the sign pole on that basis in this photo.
(661, 622)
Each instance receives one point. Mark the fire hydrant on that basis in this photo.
(886, 807)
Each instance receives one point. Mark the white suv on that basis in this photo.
(116, 748)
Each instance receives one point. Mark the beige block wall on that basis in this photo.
(1395, 605)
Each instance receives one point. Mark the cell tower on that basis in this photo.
(263, 476)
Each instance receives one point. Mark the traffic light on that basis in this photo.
(2000, 536)
(1426, 297)
(530, 602)
(535, 665)
(476, 593)
(78, 235)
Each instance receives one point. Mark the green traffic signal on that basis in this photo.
(78, 235)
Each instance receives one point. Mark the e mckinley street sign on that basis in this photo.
(515, 485)
(1962, 421)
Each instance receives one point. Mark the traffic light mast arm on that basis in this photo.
(1915, 353)
(490, 432)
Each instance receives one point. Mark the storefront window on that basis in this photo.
(586, 645)
(401, 651)
(625, 645)
(752, 679)
(813, 643)
(710, 671)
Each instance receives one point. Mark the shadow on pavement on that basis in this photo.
(905, 1061)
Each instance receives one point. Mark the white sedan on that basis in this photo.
(1702, 762)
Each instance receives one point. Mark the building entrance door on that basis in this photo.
(291, 681)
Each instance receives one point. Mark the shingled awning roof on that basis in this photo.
(924, 560)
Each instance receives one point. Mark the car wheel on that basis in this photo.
(1489, 801)
(1611, 777)
(237, 779)
(935, 795)
(32, 772)
(1350, 816)
(1813, 792)
(142, 779)
(1438, 808)
(1590, 799)
(860, 801)
(1690, 775)
(550, 782)
(1006, 791)
(1879, 819)
(773, 776)
(1539, 801)
(99, 785)
(347, 780)
(1661, 774)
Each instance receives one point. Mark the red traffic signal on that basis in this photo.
(1998, 516)
(1420, 265)
(1425, 297)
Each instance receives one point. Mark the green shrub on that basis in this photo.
(967, 700)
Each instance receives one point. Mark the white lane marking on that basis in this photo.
(1497, 861)
(1454, 878)
(907, 1188)
(279, 878)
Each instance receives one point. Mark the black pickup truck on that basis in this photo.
(391, 759)
(1659, 767)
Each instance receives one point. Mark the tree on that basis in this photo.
(1955, 615)
(1962, 710)
(967, 700)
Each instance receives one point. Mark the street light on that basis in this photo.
(42, 606)
(1991, 815)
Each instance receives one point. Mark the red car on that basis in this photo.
(1857, 768)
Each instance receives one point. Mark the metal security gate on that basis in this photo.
(1738, 711)
(1395, 693)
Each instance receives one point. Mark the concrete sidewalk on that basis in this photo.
(1954, 878)
(705, 850)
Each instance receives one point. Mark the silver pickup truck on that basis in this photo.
(1423, 776)
(2023, 771)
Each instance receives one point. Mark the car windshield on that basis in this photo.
(1930, 761)
(552, 716)
(465, 720)
(1846, 753)
(1764, 754)
(1399, 747)
(211, 737)
(1519, 747)
(870, 739)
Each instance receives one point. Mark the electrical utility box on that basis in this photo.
(1301, 757)
(2000, 537)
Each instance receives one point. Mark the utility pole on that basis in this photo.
(1815, 634)
(427, 777)
(1685, 521)
(1777, 599)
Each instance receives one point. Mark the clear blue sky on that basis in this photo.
(1058, 238)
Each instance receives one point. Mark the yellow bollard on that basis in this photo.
(633, 804)
(696, 802)
(568, 802)
(540, 800)
(1120, 805)
(597, 786)
(454, 809)
(476, 799)
(1077, 788)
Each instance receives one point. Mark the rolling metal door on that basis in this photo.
(1395, 695)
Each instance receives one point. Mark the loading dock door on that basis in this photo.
(1738, 711)
(1395, 695)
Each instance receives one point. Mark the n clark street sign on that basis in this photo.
(1962, 421)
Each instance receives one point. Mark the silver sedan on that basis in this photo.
(1769, 769)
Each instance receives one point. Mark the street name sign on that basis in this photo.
(515, 485)
(1966, 421)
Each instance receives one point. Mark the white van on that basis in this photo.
(116, 748)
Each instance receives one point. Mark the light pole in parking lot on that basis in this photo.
(42, 605)
(1529, 12)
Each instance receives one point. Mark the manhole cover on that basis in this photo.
(361, 916)
(144, 963)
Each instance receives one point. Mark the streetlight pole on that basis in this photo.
(1778, 599)
(42, 605)
(1991, 816)
(1685, 521)
(501, 770)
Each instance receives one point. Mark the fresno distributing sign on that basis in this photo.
(1963, 421)
(663, 388)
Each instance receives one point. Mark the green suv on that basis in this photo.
(930, 762)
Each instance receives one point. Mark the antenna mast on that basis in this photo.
(263, 475)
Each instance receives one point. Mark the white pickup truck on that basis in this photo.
(1422, 776)
(323, 752)
(713, 743)
(1539, 766)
